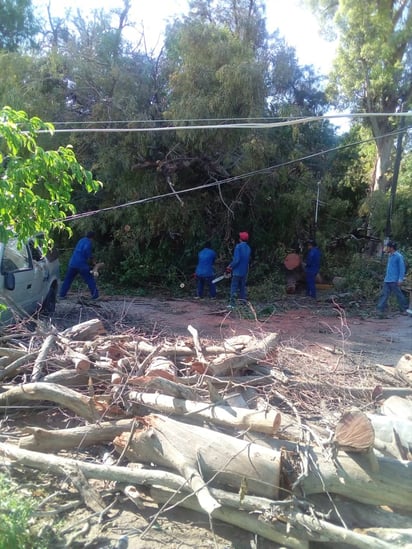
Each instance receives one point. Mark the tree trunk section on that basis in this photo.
(221, 459)
(228, 416)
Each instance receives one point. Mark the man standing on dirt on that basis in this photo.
(204, 271)
(395, 274)
(80, 263)
(312, 268)
(239, 268)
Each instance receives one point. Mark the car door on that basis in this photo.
(17, 260)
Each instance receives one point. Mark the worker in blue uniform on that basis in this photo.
(80, 264)
(312, 267)
(205, 271)
(239, 269)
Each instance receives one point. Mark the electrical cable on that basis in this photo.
(286, 121)
(228, 180)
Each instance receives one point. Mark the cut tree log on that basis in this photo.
(393, 435)
(91, 409)
(164, 387)
(287, 527)
(84, 331)
(264, 421)
(17, 365)
(352, 476)
(39, 362)
(44, 440)
(70, 377)
(152, 477)
(403, 368)
(347, 475)
(231, 363)
(394, 537)
(397, 406)
(284, 527)
(221, 460)
(351, 514)
(354, 432)
(276, 532)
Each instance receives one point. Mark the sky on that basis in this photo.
(298, 26)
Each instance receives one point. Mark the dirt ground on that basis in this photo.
(329, 330)
(347, 325)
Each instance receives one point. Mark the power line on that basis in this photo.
(226, 181)
(286, 121)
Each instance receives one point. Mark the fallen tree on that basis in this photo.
(228, 402)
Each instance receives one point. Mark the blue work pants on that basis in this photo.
(86, 275)
(202, 282)
(311, 285)
(395, 289)
(238, 285)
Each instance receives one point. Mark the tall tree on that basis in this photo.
(373, 67)
(18, 25)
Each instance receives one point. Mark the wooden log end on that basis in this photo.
(354, 432)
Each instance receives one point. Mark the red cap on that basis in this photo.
(244, 236)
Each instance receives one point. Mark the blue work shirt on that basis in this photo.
(241, 258)
(395, 269)
(206, 259)
(313, 261)
(82, 254)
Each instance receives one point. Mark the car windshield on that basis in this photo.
(14, 257)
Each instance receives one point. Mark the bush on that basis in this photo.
(17, 519)
(364, 275)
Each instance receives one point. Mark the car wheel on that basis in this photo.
(49, 304)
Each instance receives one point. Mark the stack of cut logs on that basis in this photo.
(221, 445)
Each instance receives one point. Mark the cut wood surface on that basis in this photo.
(354, 432)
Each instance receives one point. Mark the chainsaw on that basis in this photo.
(221, 277)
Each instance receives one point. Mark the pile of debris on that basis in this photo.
(224, 429)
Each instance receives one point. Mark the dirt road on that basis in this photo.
(301, 322)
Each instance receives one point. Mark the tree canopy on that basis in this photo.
(206, 138)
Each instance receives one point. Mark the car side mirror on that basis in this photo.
(9, 281)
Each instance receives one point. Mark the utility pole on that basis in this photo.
(317, 210)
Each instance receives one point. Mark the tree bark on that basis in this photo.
(43, 440)
(276, 532)
(85, 330)
(221, 459)
(86, 407)
(228, 416)
(351, 475)
(231, 363)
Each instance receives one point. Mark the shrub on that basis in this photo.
(17, 519)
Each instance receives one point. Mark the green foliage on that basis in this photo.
(36, 185)
(363, 275)
(18, 25)
(16, 519)
(218, 62)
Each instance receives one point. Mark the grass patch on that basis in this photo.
(17, 519)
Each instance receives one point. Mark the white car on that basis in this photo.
(28, 280)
